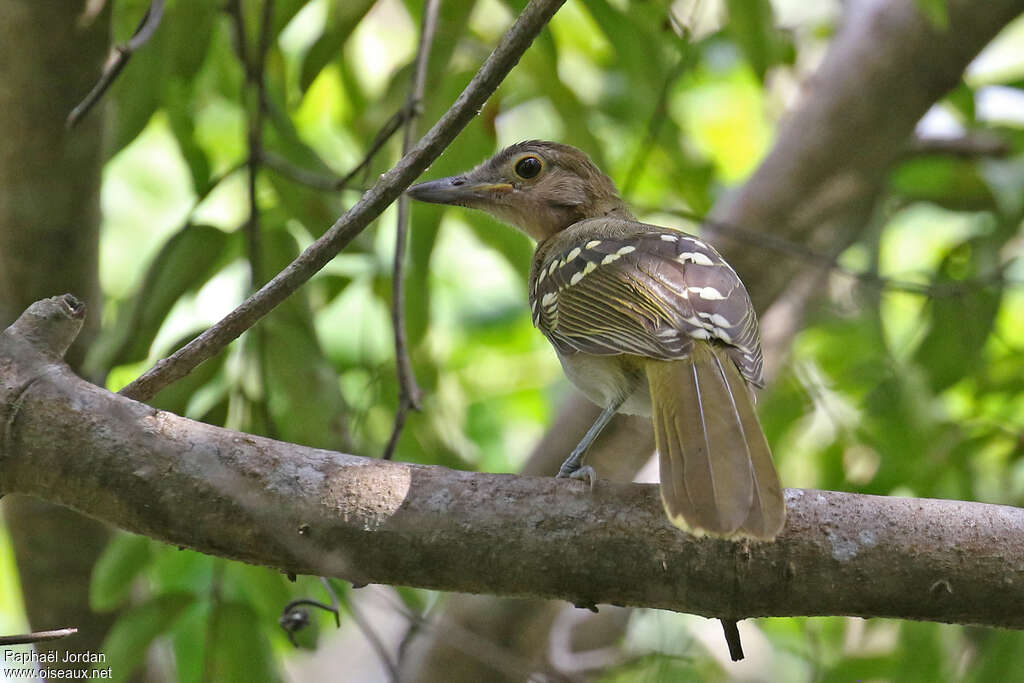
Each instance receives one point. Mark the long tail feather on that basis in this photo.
(717, 475)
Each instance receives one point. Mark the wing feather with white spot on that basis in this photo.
(651, 295)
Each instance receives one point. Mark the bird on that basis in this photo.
(645, 320)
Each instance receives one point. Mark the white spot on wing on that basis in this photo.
(707, 293)
(670, 238)
(700, 333)
(590, 268)
(548, 299)
(628, 249)
(609, 259)
(573, 254)
(695, 257)
(592, 243)
(553, 267)
(576, 277)
(719, 320)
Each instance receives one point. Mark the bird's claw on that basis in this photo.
(585, 473)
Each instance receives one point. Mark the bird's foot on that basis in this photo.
(581, 472)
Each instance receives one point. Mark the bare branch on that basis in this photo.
(967, 146)
(311, 511)
(887, 65)
(118, 59)
(383, 193)
(410, 396)
(37, 636)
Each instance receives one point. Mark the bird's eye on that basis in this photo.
(528, 167)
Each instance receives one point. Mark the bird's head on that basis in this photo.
(539, 187)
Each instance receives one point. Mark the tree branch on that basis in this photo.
(505, 56)
(884, 69)
(410, 396)
(118, 60)
(37, 636)
(311, 511)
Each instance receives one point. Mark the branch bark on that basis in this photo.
(310, 511)
(49, 243)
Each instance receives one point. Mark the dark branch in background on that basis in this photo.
(732, 637)
(505, 56)
(118, 59)
(371, 636)
(968, 146)
(311, 511)
(37, 636)
(254, 96)
(327, 183)
(410, 396)
(294, 617)
(814, 257)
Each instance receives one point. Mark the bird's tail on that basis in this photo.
(717, 475)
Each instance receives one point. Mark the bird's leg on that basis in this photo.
(571, 467)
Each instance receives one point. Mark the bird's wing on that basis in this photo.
(649, 295)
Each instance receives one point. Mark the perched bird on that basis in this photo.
(645, 320)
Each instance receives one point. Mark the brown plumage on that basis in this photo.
(645, 320)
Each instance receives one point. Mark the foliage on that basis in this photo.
(886, 391)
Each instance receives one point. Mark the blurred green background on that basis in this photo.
(884, 391)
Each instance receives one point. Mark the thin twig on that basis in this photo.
(782, 245)
(37, 636)
(494, 655)
(658, 117)
(966, 146)
(732, 637)
(119, 56)
(376, 643)
(330, 183)
(390, 185)
(254, 94)
(410, 396)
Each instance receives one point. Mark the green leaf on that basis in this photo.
(512, 244)
(189, 26)
(181, 116)
(936, 12)
(238, 650)
(343, 20)
(303, 393)
(185, 262)
(751, 25)
(1000, 656)
(315, 209)
(955, 184)
(135, 630)
(174, 53)
(114, 572)
(962, 320)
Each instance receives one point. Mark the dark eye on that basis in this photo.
(528, 167)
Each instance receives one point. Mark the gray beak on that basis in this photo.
(457, 190)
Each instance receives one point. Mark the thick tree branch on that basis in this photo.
(372, 204)
(313, 511)
(885, 68)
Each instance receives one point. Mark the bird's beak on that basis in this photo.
(459, 190)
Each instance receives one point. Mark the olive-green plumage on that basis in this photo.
(645, 320)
